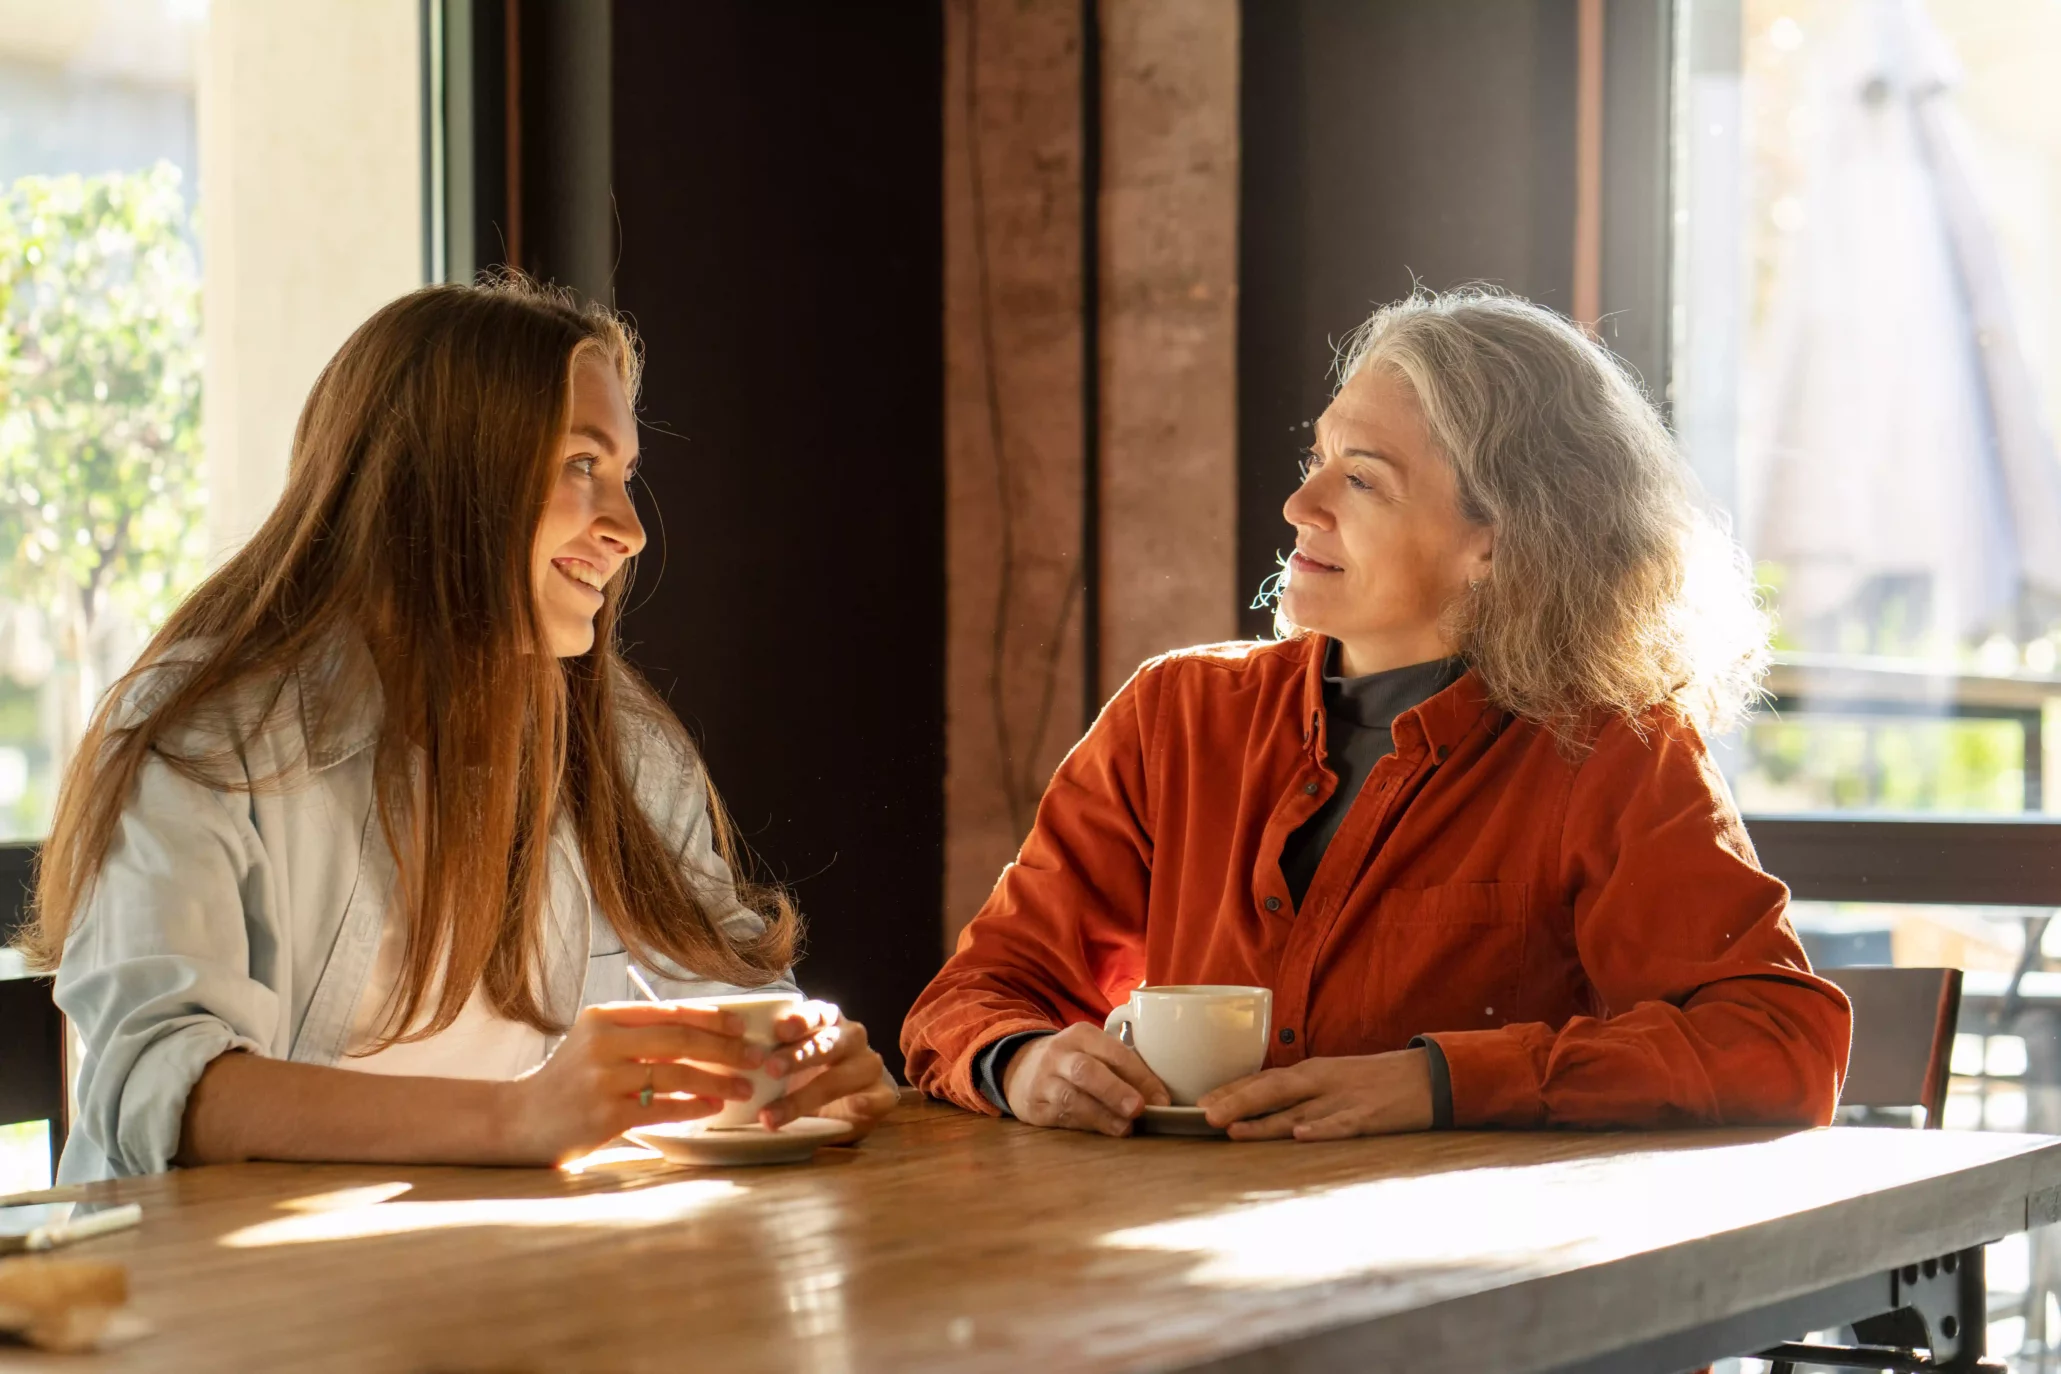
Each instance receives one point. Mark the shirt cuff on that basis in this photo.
(993, 1061)
(1441, 1083)
(1494, 1080)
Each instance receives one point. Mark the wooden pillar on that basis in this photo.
(1168, 511)
(1024, 604)
(1013, 425)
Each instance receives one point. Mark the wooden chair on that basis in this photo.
(33, 1081)
(1903, 1036)
(1903, 1041)
(32, 1077)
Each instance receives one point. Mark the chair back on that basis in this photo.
(32, 1086)
(33, 1080)
(1903, 1036)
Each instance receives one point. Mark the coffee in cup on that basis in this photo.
(1196, 1038)
(758, 1011)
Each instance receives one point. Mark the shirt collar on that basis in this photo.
(341, 704)
(1440, 723)
(1374, 700)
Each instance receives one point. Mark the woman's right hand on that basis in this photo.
(587, 1093)
(1081, 1078)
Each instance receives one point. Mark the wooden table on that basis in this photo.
(950, 1241)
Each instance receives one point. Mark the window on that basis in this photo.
(1868, 377)
(102, 494)
(196, 205)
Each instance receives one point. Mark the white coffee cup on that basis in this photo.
(1196, 1038)
(758, 1011)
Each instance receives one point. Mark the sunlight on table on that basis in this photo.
(340, 1216)
(806, 1231)
(1575, 1211)
(370, 1195)
(602, 1158)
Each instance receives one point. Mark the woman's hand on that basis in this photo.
(830, 1070)
(1328, 1099)
(1083, 1079)
(591, 1088)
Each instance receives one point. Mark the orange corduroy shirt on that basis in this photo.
(1587, 936)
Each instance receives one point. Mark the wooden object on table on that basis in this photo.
(60, 1304)
(951, 1241)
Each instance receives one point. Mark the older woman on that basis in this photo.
(1460, 817)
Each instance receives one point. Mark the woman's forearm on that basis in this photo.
(246, 1106)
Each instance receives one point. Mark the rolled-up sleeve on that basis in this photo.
(156, 976)
(1065, 925)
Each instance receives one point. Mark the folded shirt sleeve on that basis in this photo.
(1441, 1082)
(161, 972)
(1711, 1014)
(1062, 935)
(993, 1062)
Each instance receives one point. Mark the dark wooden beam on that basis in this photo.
(1990, 862)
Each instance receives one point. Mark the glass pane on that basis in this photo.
(1868, 379)
(24, 1157)
(102, 505)
(267, 157)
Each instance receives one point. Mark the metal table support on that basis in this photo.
(1936, 1305)
(1940, 1306)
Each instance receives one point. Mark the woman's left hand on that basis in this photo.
(829, 1068)
(1328, 1099)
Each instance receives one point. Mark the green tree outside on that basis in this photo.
(102, 501)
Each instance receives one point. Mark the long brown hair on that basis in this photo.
(421, 467)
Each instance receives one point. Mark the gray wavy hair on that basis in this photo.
(1614, 587)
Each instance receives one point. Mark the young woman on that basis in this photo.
(1459, 818)
(354, 865)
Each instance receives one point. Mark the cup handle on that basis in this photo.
(1119, 1025)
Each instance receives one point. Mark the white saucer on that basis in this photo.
(685, 1142)
(1176, 1121)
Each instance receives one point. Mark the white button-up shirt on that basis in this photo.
(225, 920)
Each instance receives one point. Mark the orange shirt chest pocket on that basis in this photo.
(1441, 958)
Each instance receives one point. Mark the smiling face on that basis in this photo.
(1381, 547)
(590, 527)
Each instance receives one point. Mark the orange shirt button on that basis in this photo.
(1287, 1035)
(1272, 904)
